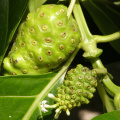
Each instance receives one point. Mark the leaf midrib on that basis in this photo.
(19, 96)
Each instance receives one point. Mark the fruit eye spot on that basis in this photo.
(48, 65)
(24, 71)
(42, 14)
(73, 40)
(32, 30)
(31, 54)
(15, 49)
(70, 83)
(70, 106)
(22, 44)
(22, 33)
(67, 97)
(72, 88)
(79, 93)
(48, 40)
(74, 70)
(85, 69)
(44, 27)
(40, 59)
(35, 67)
(73, 96)
(63, 35)
(62, 10)
(79, 85)
(15, 61)
(51, 6)
(80, 78)
(13, 74)
(34, 43)
(24, 57)
(10, 60)
(72, 102)
(59, 23)
(73, 28)
(60, 58)
(61, 47)
(71, 92)
(71, 78)
(68, 72)
(70, 52)
(88, 87)
(49, 52)
(88, 77)
(61, 103)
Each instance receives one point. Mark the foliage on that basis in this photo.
(20, 96)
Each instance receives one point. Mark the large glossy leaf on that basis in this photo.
(106, 15)
(9, 22)
(115, 115)
(3, 26)
(19, 93)
(16, 11)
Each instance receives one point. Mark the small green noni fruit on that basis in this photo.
(44, 41)
(77, 88)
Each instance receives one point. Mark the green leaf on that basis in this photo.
(16, 12)
(19, 93)
(9, 22)
(3, 26)
(34, 4)
(106, 15)
(114, 115)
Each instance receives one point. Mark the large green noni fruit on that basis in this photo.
(44, 41)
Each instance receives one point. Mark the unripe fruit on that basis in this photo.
(44, 41)
(77, 88)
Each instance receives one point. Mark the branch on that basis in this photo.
(107, 38)
(104, 97)
(88, 41)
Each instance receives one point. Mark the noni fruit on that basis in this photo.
(44, 41)
(77, 88)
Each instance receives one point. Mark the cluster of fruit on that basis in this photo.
(77, 88)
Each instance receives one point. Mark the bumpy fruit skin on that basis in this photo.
(44, 41)
(77, 88)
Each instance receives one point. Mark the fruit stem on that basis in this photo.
(102, 71)
(70, 8)
(107, 38)
(96, 63)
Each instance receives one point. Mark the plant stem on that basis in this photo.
(106, 80)
(105, 98)
(70, 8)
(87, 37)
(107, 38)
(85, 32)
